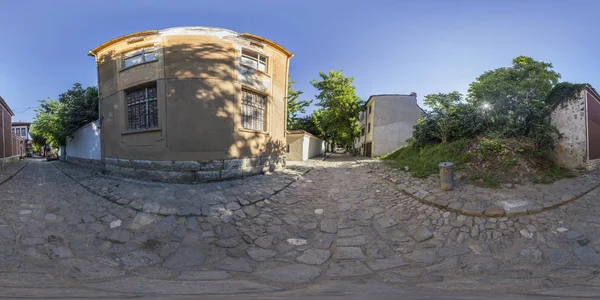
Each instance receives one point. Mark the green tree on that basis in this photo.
(80, 107)
(295, 106)
(515, 97)
(55, 120)
(47, 124)
(443, 106)
(340, 106)
(451, 118)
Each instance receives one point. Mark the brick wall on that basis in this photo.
(6, 140)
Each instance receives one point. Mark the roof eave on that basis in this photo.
(270, 43)
(95, 51)
(3, 103)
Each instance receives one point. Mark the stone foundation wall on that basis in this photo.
(186, 171)
(7, 160)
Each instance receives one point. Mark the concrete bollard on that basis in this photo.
(446, 176)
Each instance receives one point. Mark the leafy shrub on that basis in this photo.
(491, 145)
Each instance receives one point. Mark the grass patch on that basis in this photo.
(553, 174)
(486, 180)
(484, 161)
(424, 161)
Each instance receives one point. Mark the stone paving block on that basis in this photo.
(185, 257)
(494, 212)
(81, 269)
(471, 210)
(294, 273)
(349, 253)
(259, 254)
(233, 264)
(352, 241)
(314, 256)
(387, 263)
(455, 205)
(203, 275)
(322, 240)
(386, 222)
(329, 225)
(348, 269)
(534, 208)
(516, 211)
(421, 234)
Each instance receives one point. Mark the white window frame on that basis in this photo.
(254, 60)
(145, 55)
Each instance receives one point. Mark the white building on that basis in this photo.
(302, 145)
(387, 122)
(21, 129)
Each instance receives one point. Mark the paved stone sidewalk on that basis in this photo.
(339, 221)
(513, 201)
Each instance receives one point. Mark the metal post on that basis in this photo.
(446, 176)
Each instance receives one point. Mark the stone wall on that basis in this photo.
(571, 148)
(185, 171)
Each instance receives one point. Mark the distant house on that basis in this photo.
(386, 122)
(21, 129)
(11, 145)
(302, 145)
(578, 122)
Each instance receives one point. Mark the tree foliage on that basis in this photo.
(509, 101)
(55, 120)
(451, 119)
(340, 106)
(295, 106)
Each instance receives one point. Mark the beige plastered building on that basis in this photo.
(192, 104)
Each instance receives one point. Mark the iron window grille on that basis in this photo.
(254, 60)
(139, 56)
(253, 110)
(142, 109)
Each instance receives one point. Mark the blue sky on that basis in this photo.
(388, 46)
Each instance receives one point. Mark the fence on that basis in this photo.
(85, 143)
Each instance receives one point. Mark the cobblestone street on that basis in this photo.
(335, 220)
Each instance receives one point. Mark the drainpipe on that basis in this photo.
(285, 99)
(287, 78)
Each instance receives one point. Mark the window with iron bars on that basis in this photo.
(253, 110)
(142, 108)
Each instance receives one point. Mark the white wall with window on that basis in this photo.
(254, 60)
(21, 131)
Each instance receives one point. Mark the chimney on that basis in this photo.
(413, 94)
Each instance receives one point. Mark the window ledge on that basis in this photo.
(253, 131)
(142, 63)
(141, 130)
(254, 69)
